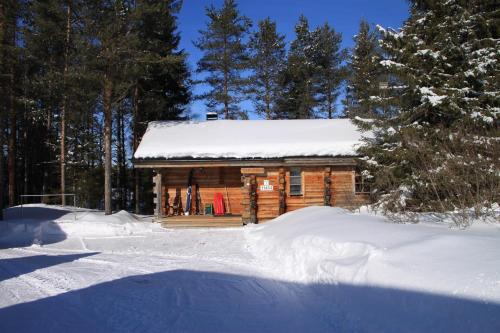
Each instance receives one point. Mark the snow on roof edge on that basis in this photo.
(249, 139)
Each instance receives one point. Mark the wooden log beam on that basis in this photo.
(157, 182)
(253, 199)
(281, 188)
(327, 178)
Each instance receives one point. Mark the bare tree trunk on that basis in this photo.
(268, 99)
(120, 154)
(26, 152)
(123, 165)
(1, 163)
(64, 103)
(108, 123)
(135, 145)
(2, 57)
(12, 139)
(330, 101)
(226, 75)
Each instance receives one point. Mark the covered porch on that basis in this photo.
(175, 210)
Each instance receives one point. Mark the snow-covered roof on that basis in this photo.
(249, 139)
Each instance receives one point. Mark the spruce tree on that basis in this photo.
(225, 58)
(297, 81)
(440, 150)
(328, 58)
(268, 52)
(363, 95)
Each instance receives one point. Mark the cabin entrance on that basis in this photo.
(214, 194)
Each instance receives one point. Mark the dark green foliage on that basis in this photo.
(160, 68)
(313, 73)
(267, 47)
(225, 58)
(132, 43)
(297, 99)
(440, 150)
(329, 58)
(363, 94)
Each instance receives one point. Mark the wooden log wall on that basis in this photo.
(343, 186)
(260, 194)
(327, 187)
(226, 180)
(321, 186)
(282, 190)
(249, 193)
(268, 201)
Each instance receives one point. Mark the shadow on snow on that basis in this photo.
(196, 301)
(14, 267)
(36, 227)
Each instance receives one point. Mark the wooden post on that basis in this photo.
(249, 203)
(253, 199)
(245, 202)
(327, 177)
(281, 187)
(158, 195)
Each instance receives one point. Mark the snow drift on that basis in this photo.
(43, 224)
(332, 245)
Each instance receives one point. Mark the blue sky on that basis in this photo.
(343, 15)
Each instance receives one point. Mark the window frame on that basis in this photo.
(295, 177)
(362, 184)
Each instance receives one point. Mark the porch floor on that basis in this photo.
(201, 221)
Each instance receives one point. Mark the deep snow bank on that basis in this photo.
(95, 223)
(332, 245)
(43, 224)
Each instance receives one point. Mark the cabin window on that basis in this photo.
(295, 181)
(363, 182)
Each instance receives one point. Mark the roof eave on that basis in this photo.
(245, 162)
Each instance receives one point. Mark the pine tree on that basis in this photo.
(109, 24)
(268, 57)
(440, 150)
(161, 90)
(11, 64)
(297, 81)
(3, 25)
(225, 59)
(64, 103)
(363, 95)
(328, 58)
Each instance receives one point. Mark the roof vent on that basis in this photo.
(212, 116)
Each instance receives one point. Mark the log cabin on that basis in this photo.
(260, 168)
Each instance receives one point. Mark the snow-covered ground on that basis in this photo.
(319, 269)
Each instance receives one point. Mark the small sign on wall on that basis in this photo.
(266, 187)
